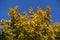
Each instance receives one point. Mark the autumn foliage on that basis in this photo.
(36, 26)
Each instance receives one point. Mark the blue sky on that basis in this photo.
(26, 4)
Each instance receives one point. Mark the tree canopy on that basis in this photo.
(36, 26)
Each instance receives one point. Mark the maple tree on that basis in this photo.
(36, 26)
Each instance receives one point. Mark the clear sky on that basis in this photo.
(26, 4)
